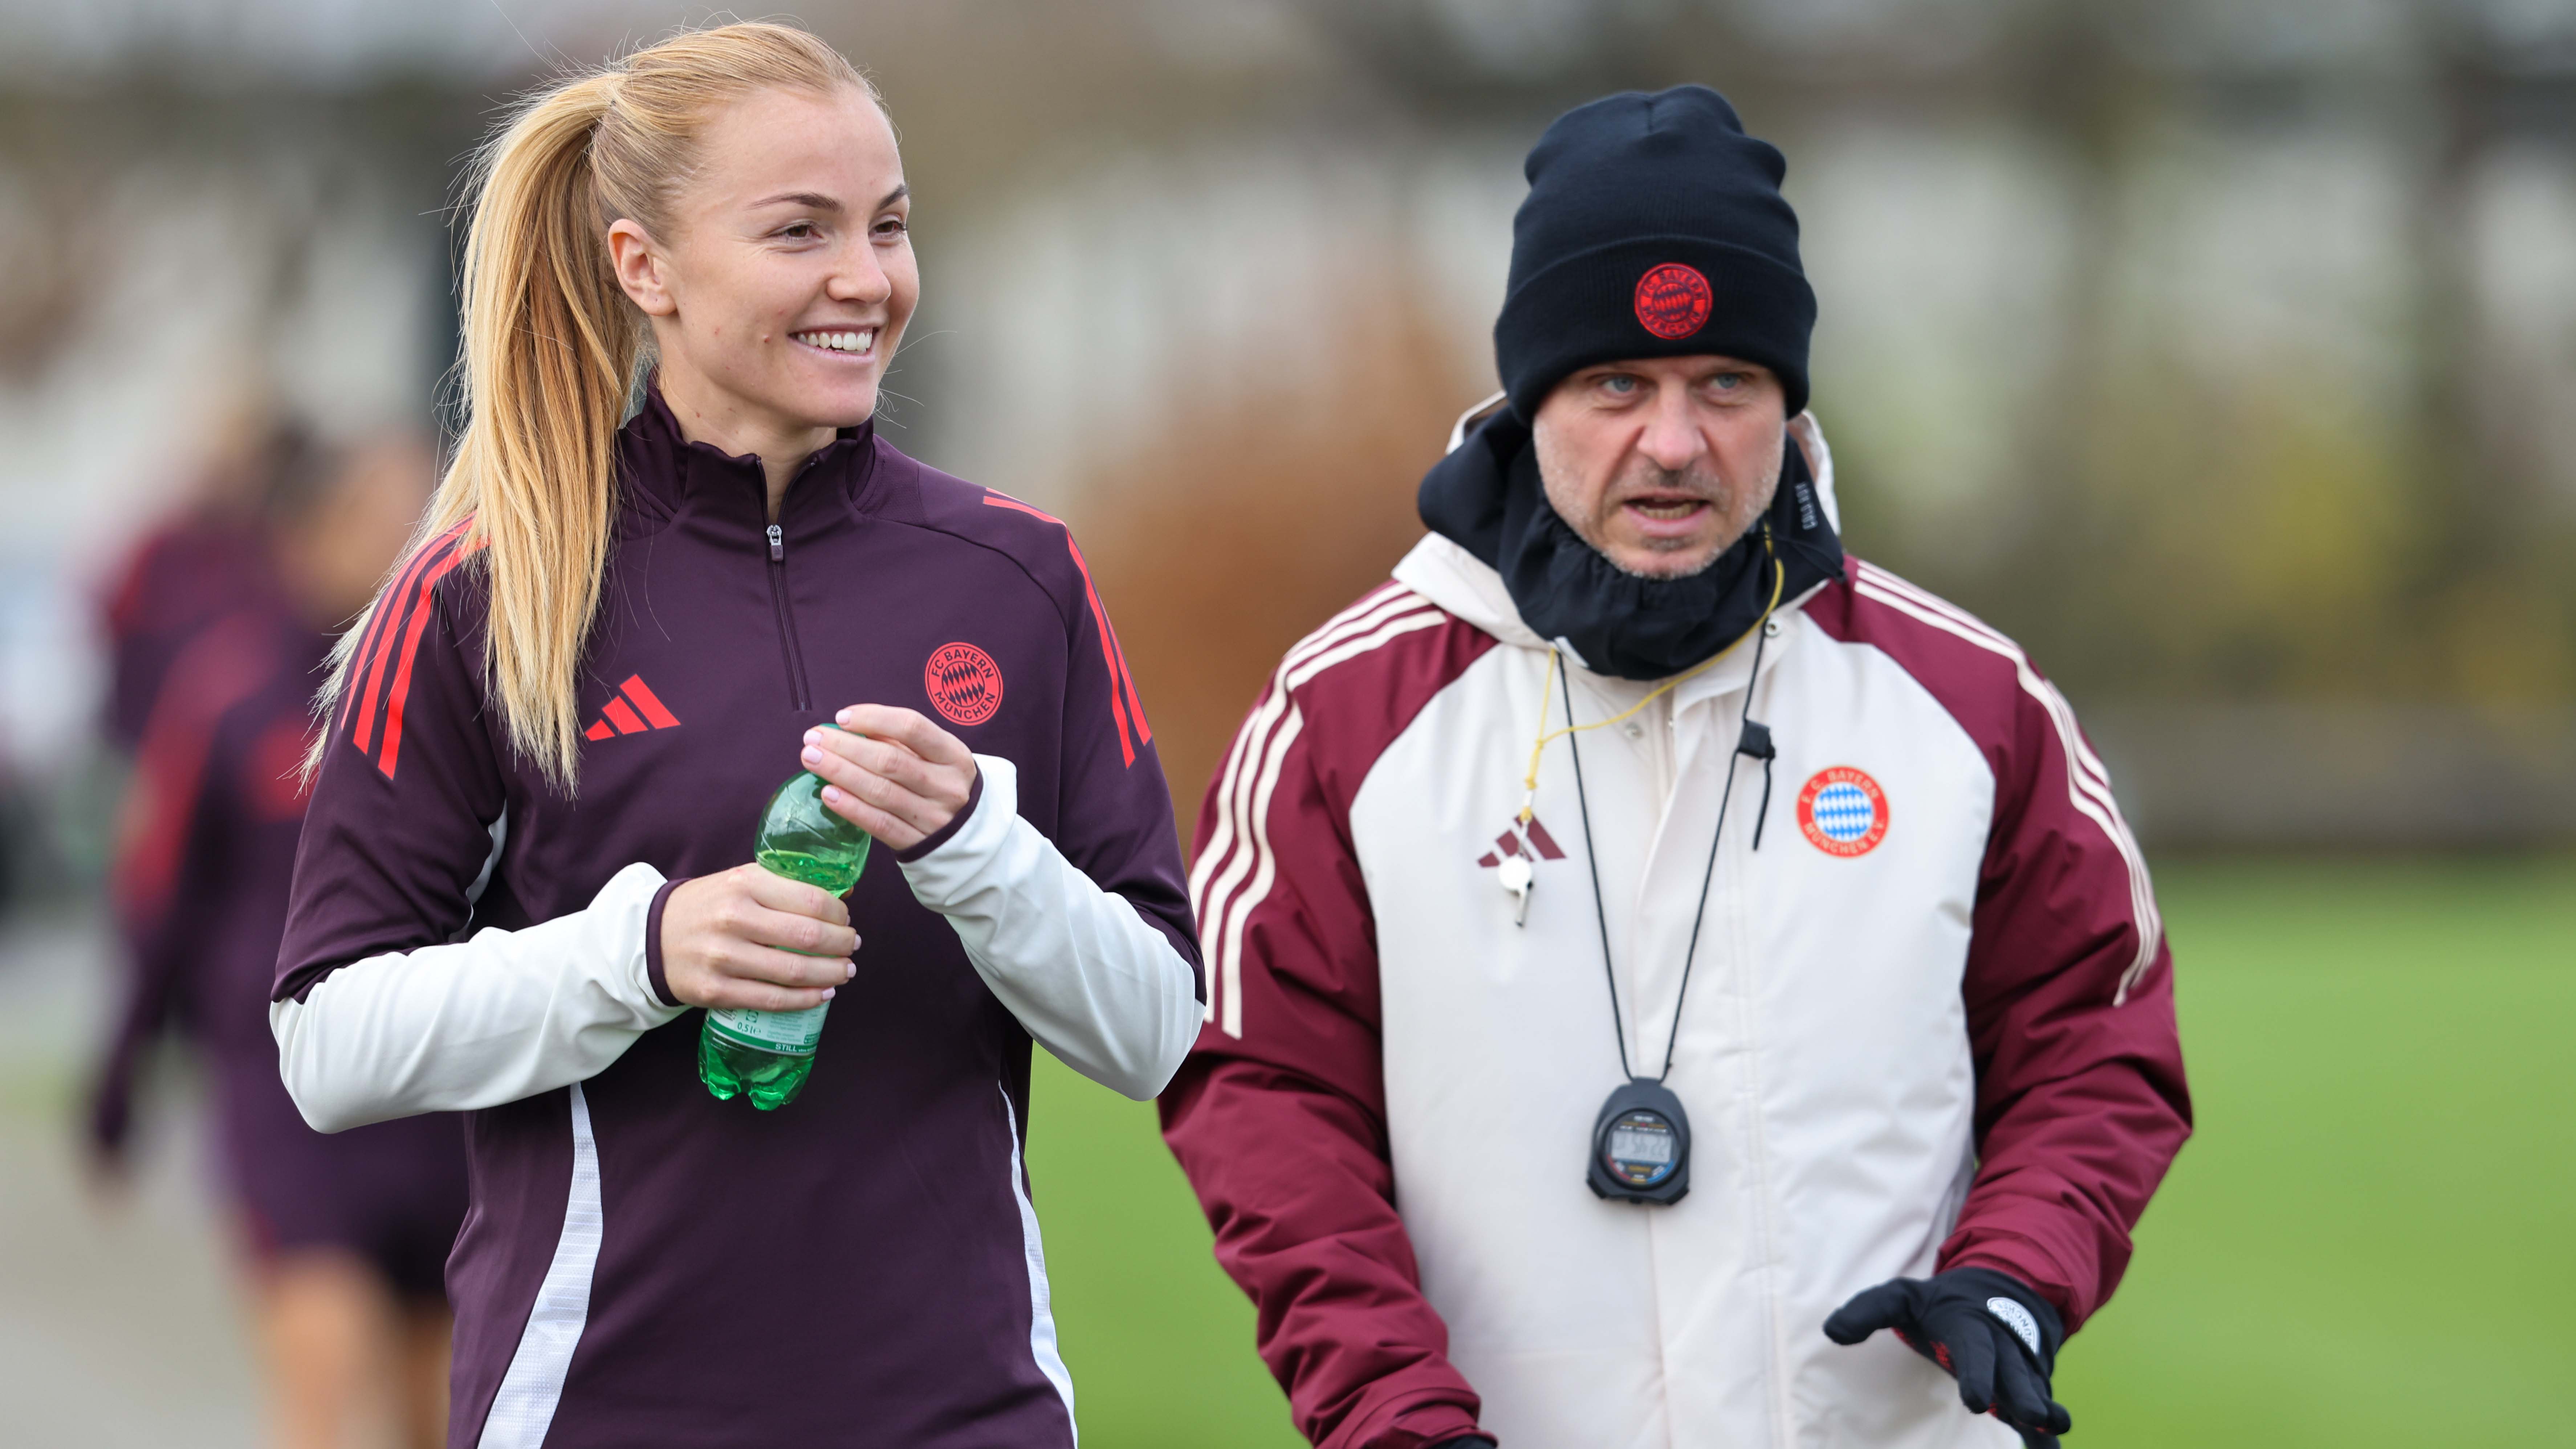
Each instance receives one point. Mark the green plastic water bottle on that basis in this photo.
(767, 1055)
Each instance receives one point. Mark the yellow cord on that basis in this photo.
(1547, 687)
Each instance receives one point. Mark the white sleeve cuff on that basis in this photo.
(1084, 973)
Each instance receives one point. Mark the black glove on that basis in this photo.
(1995, 1336)
(1464, 1441)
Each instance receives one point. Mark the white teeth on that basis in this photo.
(839, 341)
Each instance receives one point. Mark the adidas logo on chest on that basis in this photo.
(631, 710)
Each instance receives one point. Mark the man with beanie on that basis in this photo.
(1650, 951)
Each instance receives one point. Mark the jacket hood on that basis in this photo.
(1451, 575)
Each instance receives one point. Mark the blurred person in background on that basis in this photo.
(218, 630)
(206, 556)
(547, 757)
(1501, 904)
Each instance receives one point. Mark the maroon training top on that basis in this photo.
(852, 1268)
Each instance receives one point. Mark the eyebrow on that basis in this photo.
(817, 201)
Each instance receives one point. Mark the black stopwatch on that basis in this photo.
(1641, 1145)
(1641, 1141)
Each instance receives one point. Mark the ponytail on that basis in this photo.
(552, 346)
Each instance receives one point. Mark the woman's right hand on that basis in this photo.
(734, 941)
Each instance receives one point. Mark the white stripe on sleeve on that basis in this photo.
(1238, 868)
(2088, 784)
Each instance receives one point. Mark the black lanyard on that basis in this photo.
(1641, 1141)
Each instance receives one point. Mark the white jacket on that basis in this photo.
(1944, 945)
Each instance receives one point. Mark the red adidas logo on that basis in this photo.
(646, 712)
(1531, 841)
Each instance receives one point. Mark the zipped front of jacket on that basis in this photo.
(790, 651)
(1787, 951)
(1722, 988)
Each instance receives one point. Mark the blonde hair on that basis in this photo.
(552, 346)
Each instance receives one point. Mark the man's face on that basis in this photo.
(1662, 464)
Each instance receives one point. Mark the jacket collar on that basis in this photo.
(1470, 590)
(668, 474)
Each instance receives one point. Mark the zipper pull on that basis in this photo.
(777, 544)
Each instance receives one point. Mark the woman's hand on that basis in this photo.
(891, 772)
(733, 940)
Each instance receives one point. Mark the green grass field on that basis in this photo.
(2369, 1243)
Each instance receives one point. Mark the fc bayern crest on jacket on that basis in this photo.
(963, 682)
(1843, 812)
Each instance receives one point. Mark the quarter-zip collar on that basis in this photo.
(667, 474)
(723, 501)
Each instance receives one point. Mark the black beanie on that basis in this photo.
(1654, 227)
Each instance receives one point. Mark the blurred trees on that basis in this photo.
(2224, 351)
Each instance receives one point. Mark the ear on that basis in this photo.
(642, 271)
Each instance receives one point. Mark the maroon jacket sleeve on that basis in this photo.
(2081, 1102)
(1115, 820)
(1279, 1115)
(401, 820)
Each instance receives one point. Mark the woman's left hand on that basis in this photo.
(891, 772)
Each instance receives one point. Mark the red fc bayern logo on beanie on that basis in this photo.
(1673, 301)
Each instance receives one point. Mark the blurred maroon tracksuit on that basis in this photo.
(211, 687)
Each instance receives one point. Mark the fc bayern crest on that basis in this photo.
(1843, 812)
(1673, 301)
(964, 683)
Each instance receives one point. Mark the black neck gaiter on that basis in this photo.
(1486, 497)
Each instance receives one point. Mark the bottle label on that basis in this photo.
(788, 1033)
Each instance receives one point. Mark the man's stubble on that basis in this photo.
(1737, 507)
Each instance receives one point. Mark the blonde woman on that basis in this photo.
(549, 744)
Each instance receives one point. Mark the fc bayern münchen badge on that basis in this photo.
(1843, 812)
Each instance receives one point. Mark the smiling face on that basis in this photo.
(1662, 464)
(785, 276)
